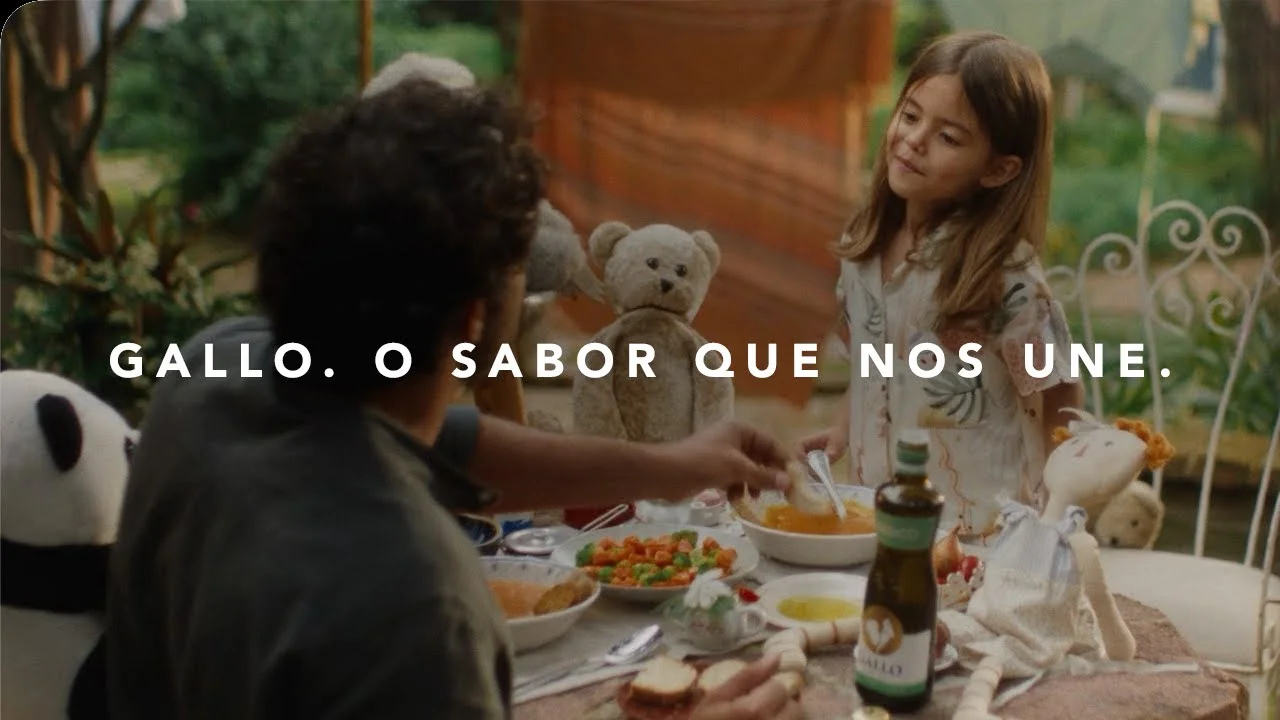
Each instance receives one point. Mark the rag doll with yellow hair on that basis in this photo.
(1133, 517)
(1044, 605)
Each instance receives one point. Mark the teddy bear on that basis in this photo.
(64, 464)
(656, 278)
(1132, 519)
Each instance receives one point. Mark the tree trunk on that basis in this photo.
(1253, 89)
(29, 201)
(54, 106)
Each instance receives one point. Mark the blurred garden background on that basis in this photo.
(159, 188)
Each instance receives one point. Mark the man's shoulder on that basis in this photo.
(228, 331)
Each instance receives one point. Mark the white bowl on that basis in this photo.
(828, 551)
(841, 586)
(747, 556)
(535, 631)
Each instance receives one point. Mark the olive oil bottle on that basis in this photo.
(894, 654)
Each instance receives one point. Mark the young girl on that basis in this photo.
(945, 252)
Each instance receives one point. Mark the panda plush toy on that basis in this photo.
(64, 461)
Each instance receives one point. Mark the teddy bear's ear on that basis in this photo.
(707, 244)
(605, 237)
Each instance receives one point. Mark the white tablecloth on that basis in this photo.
(610, 620)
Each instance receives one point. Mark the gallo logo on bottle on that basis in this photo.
(882, 631)
(888, 660)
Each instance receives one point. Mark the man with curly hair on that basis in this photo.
(288, 546)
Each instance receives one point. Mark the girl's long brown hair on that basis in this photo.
(1011, 94)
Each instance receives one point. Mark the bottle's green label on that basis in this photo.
(905, 533)
(889, 661)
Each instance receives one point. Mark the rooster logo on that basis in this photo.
(881, 631)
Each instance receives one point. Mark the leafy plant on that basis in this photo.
(1199, 364)
(1208, 357)
(220, 90)
(111, 284)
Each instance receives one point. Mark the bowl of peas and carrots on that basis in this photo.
(652, 562)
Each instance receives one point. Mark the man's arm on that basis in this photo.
(532, 469)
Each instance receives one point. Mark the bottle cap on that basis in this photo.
(913, 450)
(914, 437)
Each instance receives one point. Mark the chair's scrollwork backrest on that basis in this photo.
(1200, 288)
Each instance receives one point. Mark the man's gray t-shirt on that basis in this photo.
(283, 555)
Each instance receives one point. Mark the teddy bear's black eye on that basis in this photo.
(1134, 522)
(652, 263)
(682, 270)
(129, 446)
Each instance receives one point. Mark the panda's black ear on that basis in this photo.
(62, 431)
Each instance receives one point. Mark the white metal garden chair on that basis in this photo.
(1228, 611)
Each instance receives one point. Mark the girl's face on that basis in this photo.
(937, 151)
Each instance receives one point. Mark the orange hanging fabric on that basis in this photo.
(744, 118)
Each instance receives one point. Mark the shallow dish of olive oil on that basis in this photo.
(797, 600)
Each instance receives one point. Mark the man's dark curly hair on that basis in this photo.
(383, 220)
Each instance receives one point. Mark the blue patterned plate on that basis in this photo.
(482, 531)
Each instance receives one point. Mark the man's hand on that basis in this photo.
(834, 441)
(752, 694)
(725, 456)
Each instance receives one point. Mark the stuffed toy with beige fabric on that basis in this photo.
(1044, 603)
(1133, 519)
(656, 278)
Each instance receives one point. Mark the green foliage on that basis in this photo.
(233, 76)
(115, 283)
(476, 47)
(220, 90)
(919, 22)
(1199, 363)
(1098, 173)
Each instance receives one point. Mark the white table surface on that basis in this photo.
(611, 619)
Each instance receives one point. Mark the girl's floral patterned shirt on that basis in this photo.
(986, 432)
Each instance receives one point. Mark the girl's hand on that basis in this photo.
(833, 440)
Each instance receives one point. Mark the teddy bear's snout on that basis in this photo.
(666, 285)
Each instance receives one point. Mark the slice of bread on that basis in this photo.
(716, 675)
(664, 681)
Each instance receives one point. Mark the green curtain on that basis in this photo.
(1136, 47)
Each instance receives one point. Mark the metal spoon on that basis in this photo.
(633, 648)
(821, 466)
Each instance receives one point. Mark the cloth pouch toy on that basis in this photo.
(64, 463)
(1031, 610)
